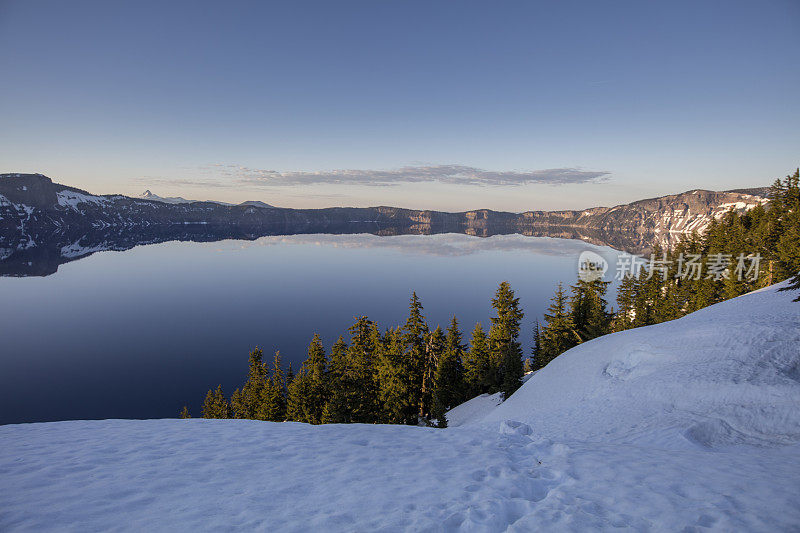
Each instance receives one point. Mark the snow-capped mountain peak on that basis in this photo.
(149, 195)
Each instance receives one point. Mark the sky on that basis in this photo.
(437, 105)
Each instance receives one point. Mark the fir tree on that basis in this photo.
(336, 409)
(215, 405)
(354, 394)
(588, 307)
(246, 402)
(794, 285)
(477, 364)
(449, 379)
(434, 348)
(289, 375)
(297, 398)
(558, 335)
(626, 300)
(317, 380)
(185, 412)
(273, 395)
(398, 400)
(415, 333)
(506, 351)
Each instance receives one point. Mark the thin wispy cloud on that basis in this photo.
(447, 174)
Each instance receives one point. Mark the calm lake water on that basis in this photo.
(140, 333)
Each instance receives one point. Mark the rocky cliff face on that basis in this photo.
(44, 224)
(658, 220)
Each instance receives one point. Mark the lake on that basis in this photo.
(140, 333)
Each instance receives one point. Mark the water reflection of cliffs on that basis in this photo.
(43, 224)
(44, 258)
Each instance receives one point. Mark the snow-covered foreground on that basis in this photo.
(684, 426)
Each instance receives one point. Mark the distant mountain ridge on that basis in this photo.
(148, 195)
(43, 224)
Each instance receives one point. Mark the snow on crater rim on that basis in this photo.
(71, 199)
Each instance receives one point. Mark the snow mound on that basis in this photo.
(727, 374)
(473, 410)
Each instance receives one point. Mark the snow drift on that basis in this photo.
(690, 425)
(726, 374)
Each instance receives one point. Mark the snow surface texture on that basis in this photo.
(690, 425)
(473, 410)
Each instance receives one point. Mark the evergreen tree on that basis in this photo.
(185, 412)
(434, 348)
(246, 402)
(215, 405)
(336, 409)
(317, 380)
(415, 334)
(477, 364)
(273, 395)
(505, 349)
(289, 375)
(558, 335)
(449, 379)
(354, 392)
(297, 398)
(527, 365)
(393, 367)
(589, 309)
(626, 300)
(794, 285)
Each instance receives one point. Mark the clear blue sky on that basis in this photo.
(447, 105)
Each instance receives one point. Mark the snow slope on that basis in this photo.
(685, 426)
(726, 374)
(473, 410)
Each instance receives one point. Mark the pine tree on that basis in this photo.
(215, 405)
(354, 391)
(245, 403)
(273, 395)
(505, 350)
(398, 400)
(434, 347)
(558, 335)
(589, 309)
(449, 379)
(794, 285)
(415, 333)
(317, 380)
(626, 300)
(364, 338)
(289, 375)
(477, 364)
(336, 409)
(185, 413)
(788, 246)
(298, 398)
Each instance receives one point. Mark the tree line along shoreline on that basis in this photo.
(412, 373)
